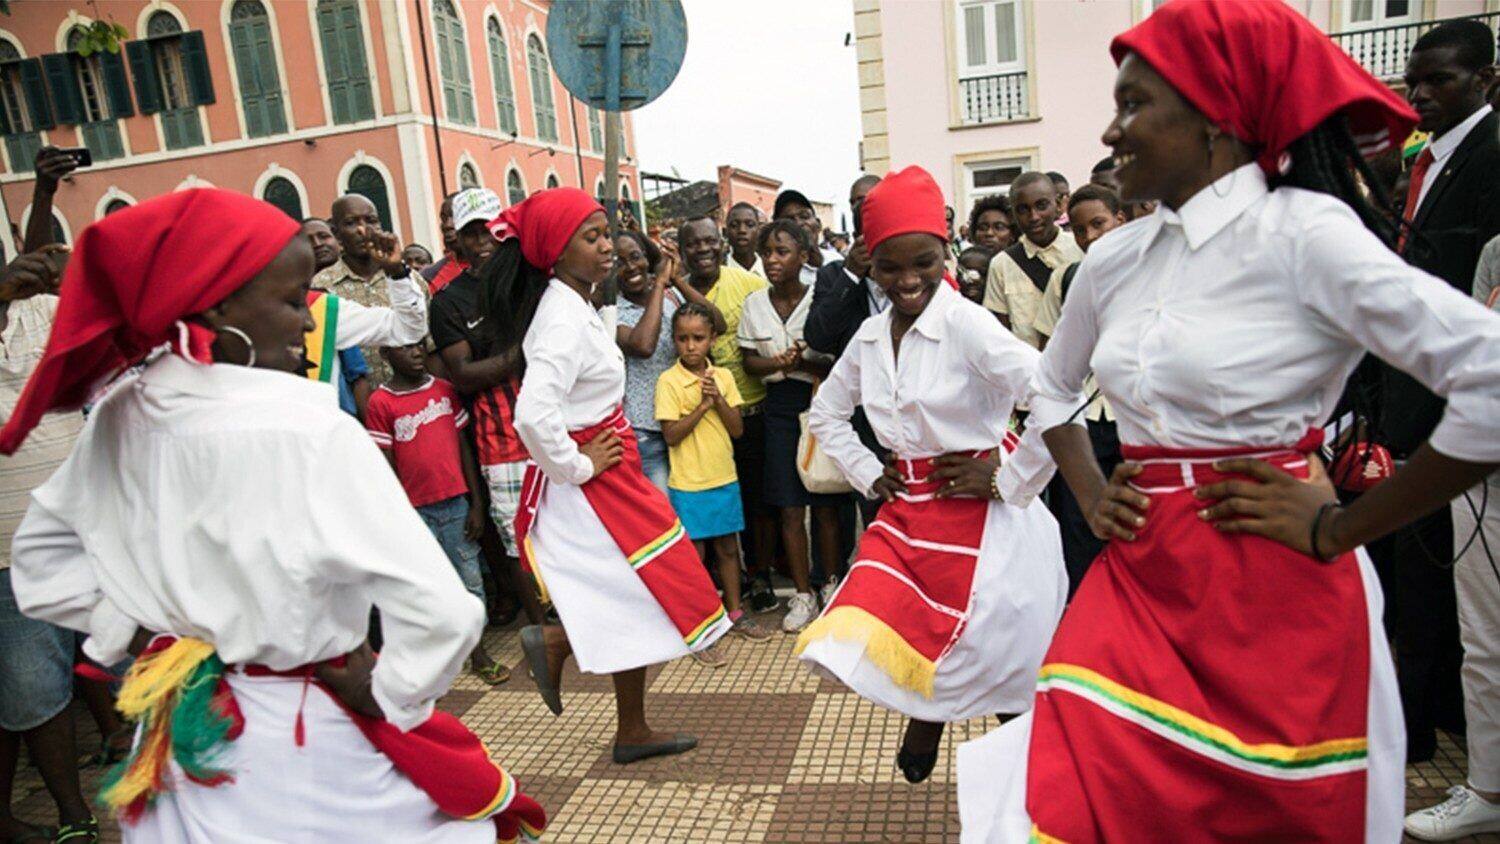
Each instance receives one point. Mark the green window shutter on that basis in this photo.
(367, 182)
(36, 93)
(116, 87)
(143, 71)
(195, 64)
(62, 84)
(255, 62)
(344, 56)
(335, 68)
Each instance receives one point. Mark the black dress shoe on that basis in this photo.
(624, 754)
(916, 767)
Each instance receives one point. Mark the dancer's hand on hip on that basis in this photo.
(605, 451)
(964, 476)
(1273, 503)
(350, 683)
(1120, 509)
(890, 483)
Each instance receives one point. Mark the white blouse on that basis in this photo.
(1236, 321)
(575, 378)
(952, 389)
(763, 331)
(242, 507)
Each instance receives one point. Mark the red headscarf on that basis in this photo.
(544, 223)
(903, 202)
(132, 277)
(1264, 74)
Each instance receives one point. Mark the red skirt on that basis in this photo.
(1204, 686)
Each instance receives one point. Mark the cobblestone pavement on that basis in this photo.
(783, 757)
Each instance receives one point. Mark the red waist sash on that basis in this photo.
(1202, 685)
(646, 529)
(907, 595)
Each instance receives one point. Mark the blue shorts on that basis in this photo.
(708, 513)
(36, 666)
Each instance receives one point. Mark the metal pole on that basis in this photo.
(437, 138)
(577, 144)
(612, 121)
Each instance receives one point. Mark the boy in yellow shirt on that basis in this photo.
(698, 407)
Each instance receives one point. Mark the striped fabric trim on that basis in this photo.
(693, 637)
(1277, 761)
(503, 796)
(922, 543)
(321, 346)
(1039, 837)
(658, 546)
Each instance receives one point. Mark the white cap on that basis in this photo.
(473, 204)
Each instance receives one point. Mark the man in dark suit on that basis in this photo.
(843, 295)
(1452, 209)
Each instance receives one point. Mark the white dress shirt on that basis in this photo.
(242, 507)
(763, 332)
(1443, 148)
(1236, 320)
(575, 378)
(952, 389)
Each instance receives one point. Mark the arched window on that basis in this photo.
(552, 181)
(453, 62)
(367, 182)
(467, 177)
(541, 89)
(97, 93)
(22, 99)
(283, 194)
(255, 61)
(596, 130)
(171, 75)
(115, 205)
(343, 36)
(515, 190)
(505, 92)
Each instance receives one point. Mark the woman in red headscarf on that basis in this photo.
(224, 503)
(954, 593)
(598, 536)
(1222, 673)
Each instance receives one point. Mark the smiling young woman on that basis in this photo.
(1222, 672)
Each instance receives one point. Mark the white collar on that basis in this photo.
(1210, 210)
(234, 382)
(929, 324)
(1445, 144)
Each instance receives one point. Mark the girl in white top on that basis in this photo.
(618, 615)
(954, 591)
(158, 522)
(1222, 672)
(770, 338)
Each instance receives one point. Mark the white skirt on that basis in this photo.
(335, 788)
(992, 768)
(1020, 586)
(613, 622)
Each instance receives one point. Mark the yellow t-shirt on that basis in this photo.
(705, 458)
(728, 295)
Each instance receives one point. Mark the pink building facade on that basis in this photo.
(296, 102)
(978, 91)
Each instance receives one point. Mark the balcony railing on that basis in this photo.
(1384, 51)
(989, 99)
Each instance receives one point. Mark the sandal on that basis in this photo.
(493, 674)
(108, 754)
(83, 832)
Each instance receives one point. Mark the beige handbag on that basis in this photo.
(818, 471)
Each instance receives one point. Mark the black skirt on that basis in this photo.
(785, 401)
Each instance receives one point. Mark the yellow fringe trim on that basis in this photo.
(153, 677)
(536, 572)
(883, 646)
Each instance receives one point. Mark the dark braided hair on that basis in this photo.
(1327, 160)
(690, 310)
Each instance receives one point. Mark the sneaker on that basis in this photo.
(825, 595)
(748, 628)
(801, 610)
(711, 656)
(1464, 813)
(760, 599)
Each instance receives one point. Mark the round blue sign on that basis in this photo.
(617, 55)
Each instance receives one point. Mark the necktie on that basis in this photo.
(1414, 192)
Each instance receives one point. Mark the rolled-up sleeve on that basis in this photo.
(1411, 320)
